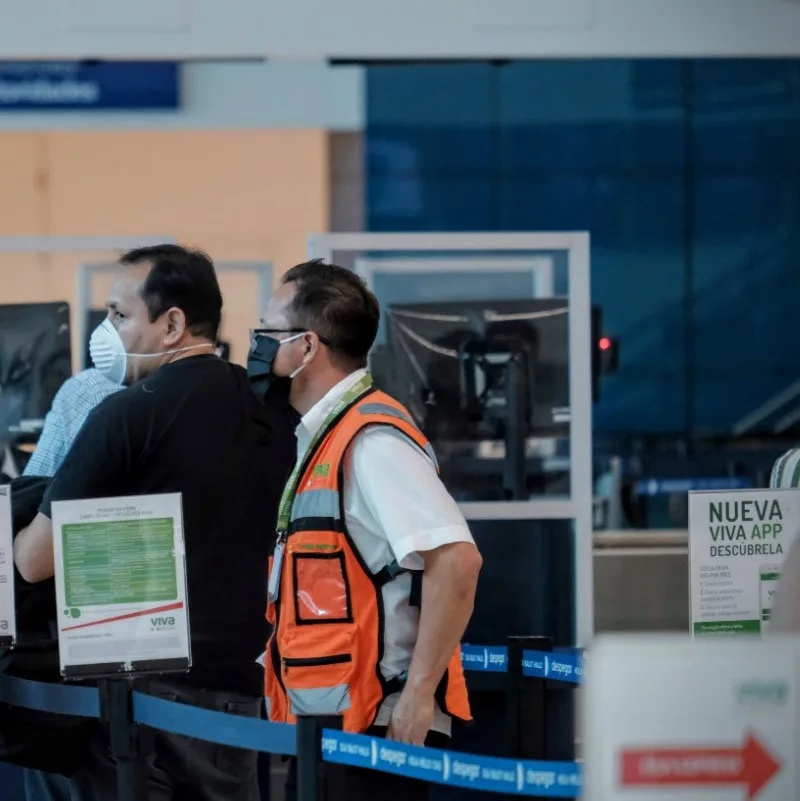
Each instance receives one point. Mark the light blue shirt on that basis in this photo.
(77, 397)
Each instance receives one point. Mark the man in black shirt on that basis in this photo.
(189, 423)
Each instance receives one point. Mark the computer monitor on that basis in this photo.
(35, 360)
(450, 364)
(488, 383)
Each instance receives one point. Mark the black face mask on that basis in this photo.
(259, 365)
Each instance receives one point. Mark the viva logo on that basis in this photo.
(162, 622)
(771, 693)
(4, 625)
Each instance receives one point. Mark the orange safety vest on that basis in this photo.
(328, 622)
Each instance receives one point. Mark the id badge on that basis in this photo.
(274, 582)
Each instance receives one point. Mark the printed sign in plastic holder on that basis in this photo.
(8, 626)
(668, 718)
(121, 585)
(738, 541)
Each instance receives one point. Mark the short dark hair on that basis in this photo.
(335, 304)
(181, 277)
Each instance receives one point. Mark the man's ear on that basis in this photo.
(176, 326)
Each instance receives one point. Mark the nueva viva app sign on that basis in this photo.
(737, 543)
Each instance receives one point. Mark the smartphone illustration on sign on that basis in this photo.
(768, 576)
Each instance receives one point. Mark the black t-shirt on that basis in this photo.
(173, 432)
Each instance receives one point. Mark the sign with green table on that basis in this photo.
(121, 585)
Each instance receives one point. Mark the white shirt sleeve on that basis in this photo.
(402, 491)
(785, 470)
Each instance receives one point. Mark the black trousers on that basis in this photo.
(180, 768)
(347, 783)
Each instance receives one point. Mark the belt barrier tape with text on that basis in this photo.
(559, 665)
(489, 774)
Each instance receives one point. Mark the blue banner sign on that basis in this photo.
(680, 486)
(101, 86)
(489, 774)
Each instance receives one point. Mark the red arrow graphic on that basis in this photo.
(753, 766)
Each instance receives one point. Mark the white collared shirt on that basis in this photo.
(395, 508)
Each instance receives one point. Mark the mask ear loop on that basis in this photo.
(296, 372)
(300, 369)
(169, 352)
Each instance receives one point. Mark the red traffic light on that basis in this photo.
(604, 343)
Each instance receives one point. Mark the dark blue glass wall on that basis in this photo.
(687, 175)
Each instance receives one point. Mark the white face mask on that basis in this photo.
(108, 352)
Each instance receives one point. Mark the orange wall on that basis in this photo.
(240, 195)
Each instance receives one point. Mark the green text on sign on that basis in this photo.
(119, 562)
(721, 628)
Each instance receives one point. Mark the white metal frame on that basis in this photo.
(578, 507)
(83, 290)
(77, 244)
(540, 268)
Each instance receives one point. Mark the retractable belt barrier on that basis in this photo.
(471, 771)
(564, 665)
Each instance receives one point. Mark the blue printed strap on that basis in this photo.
(61, 699)
(488, 659)
(214, 727)
(558, 666)
(566, 665)
(488, 774)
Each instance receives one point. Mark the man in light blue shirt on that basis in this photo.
(77, 397)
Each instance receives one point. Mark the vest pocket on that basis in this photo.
(322, 591)
(315, 661)
(318, 685)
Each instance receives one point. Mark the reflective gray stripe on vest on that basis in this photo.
(320, 700)
(390, 411)
(316, 503)
(385, 409)
(429, 450)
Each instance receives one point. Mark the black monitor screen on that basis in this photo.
(35, 360)
(430, 345)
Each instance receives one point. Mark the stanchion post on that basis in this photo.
(525, 702)
(311, 772)
(127, 745)
(560, 705)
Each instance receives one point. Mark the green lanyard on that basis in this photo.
(285, 513)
